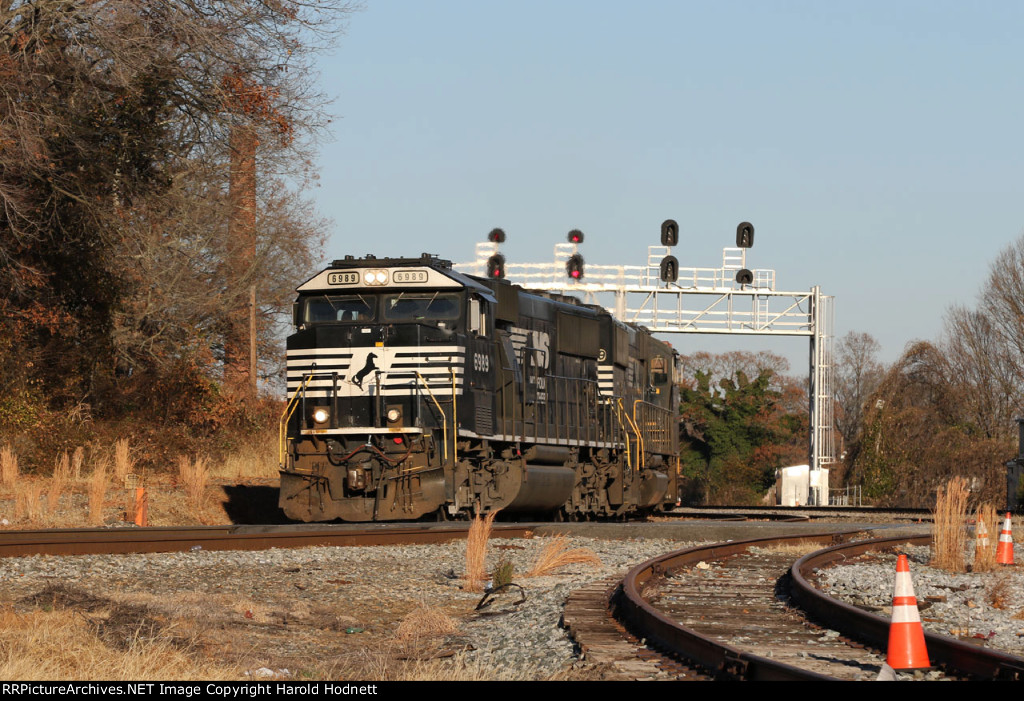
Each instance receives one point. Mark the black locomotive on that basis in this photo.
(416, 390)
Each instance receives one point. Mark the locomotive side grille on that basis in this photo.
(484, 420)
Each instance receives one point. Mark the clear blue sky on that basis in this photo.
(875, 146)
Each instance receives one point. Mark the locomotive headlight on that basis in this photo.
(375, 277)
(321, 415)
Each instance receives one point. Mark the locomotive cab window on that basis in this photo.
(478, 316)
(334, 308)
(420, 306)
(659, 371)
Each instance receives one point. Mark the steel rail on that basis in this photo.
(97, 541)
(721, 660)
(872, 629)
(725, 661)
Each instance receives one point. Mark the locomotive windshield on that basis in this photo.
(333, 308)
(420, 306)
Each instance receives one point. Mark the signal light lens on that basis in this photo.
(574, 267)
(669, 269)
(669, 232)
(575, 236)
(496, 266)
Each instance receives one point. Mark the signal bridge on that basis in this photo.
(667, 298)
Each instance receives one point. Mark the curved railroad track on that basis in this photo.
(724, 611)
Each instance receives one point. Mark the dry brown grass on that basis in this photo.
(27, 500)
(58, 482)
(123, 461)
(987, 522)
(76, 463)
(999, 592)
(796, 549)
(8, 467)
(251, 460)
(476, 551)
(194, 475)
(557, 554)
(97, 491)
(53, 645)
(949, 536)
(425, 622)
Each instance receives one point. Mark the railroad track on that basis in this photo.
(91, 541)
(724, 611)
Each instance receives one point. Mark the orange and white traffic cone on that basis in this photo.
(1004, 551)
(981, 531)
(906, 636)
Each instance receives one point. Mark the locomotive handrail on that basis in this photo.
(636, 432)
(642, 414)
(444, 418)
(286, 415)
(455, 421)
(620, 411)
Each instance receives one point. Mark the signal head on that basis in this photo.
(496, 236)
(496, 267)
(669, 269)
(745, 235)
(575, 236)
(669, 232)
(744, 277)
(574, 267)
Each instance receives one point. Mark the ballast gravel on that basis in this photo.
(321, 608)
(309, 607)
(985, 608)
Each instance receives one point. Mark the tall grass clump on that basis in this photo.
(27, 495)
(76, 463)
(124, 463)
(949, 535)
(476, 551)
(985, 553)
(97, 492)
(193, 475)
(256, 458)
(58, 482)
(8, 467)
(557, 554)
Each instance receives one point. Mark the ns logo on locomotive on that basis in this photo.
(414, 390)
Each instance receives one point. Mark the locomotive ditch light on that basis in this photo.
(321, 416)
(375, 277)
(394, 415)
(496, 236)
(575, 236)
(574, 267)
(669, 270)
(496, 266)
(669, 233)
(744, 277)
(745, 235)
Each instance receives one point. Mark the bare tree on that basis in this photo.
(857, 374)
